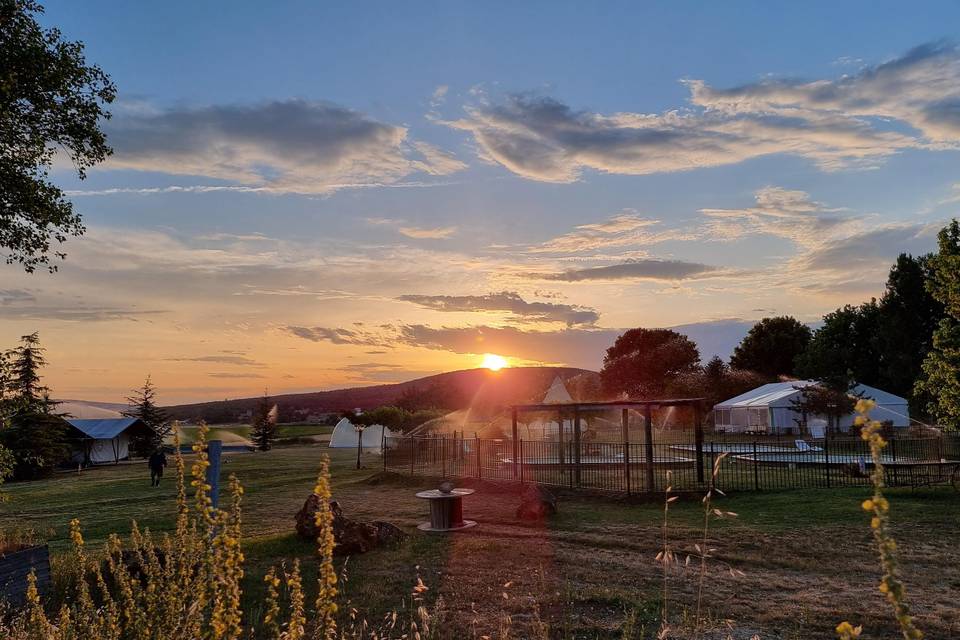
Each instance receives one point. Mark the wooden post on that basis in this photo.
(214, 448)
(625, 432)
(648, 434)
(576, 445)
(563, 457)
(516, 445)
(697, 418)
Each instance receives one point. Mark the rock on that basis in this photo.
(536, 503)
(351, 536)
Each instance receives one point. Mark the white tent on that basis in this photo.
(344, 436)
(104, 440)
(771, 408)
(545, 426)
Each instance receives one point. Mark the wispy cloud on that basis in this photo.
(282, 146)
(241, 361)
(834, 123)
(510, 302)
(435, 233)
(636, 270)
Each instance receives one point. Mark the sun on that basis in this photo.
(494, 362)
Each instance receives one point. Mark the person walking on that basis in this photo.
(157, 461)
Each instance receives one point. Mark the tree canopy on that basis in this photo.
(643, 363)
(263, 429)
(51, 102)
(939, 382)
(771, 346)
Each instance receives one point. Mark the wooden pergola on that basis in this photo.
(564, 409)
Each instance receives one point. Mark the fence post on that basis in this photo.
(576, 445)
(214, 447)
(563, 457)
(479, 463)
(443, 456)
(826, 453)
(699, 440)
(648, 434)
(520, 462)
(756, 468)
(383, 446)
(625, 430)
(516, 448)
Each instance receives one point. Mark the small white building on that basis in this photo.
(771, 408)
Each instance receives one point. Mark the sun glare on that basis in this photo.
(494, 362)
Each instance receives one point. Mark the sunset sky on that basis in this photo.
(307, 195)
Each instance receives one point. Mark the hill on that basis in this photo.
(480, 389)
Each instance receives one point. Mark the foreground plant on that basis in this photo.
(890, 585)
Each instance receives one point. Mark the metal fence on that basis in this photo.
(742, 462)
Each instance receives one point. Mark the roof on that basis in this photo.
(557, 393)
(103, 428)
(780, 394)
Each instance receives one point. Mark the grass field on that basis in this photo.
(807, 555)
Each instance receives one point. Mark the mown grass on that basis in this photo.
(584, 573)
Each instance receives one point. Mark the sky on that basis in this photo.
(311, 195)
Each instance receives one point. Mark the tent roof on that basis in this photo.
(557, 393)
(779, 394)
(103, 428)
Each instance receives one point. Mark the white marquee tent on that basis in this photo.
(770, 408)
(104, 440)
(344, 436)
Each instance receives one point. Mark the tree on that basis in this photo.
(51, 102)
(939, 382)
(845, 349)
(771, 346)
(642, 363)
(832, 402)
(143, 405)
(38, 441)
(24, 391)
(263, 430)
(909, 315)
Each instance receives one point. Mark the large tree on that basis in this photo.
(143, 405)
(909, 315)
(51, 103)
(771, 346)
(29, 430)
(644, 363)
(940, 379)
(845, 349)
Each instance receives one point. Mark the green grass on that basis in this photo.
(584, 572)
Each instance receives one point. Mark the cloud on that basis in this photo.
(779, 212)
(511, 302)
(436, 233)
(8, 296)
(636, 270)
(835, 123)
(241, 361)
(281, 146)
(9, 311)
(872, 250)
(235, 375)
(624, 229)
(339, 336)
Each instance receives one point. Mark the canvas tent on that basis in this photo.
(771, 408)
(344, 436)
(104, 440)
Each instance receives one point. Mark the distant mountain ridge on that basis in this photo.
(470, 387)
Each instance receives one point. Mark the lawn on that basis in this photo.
(806, 555)
(240, 433)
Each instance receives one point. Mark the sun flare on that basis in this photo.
(494, 362)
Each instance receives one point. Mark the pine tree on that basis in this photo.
(263, 431)
(31, 431)
(24, 392)
(143, 405)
